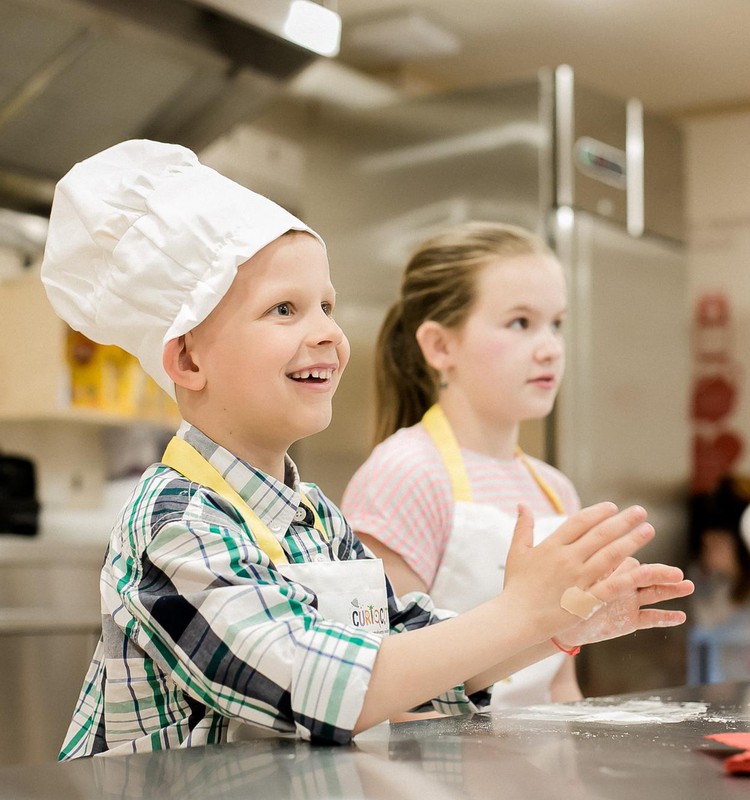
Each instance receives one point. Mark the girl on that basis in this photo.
(472, 348)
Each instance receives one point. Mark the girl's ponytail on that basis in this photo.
(404, 385)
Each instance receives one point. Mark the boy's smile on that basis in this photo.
(320, 375)
(270, 354)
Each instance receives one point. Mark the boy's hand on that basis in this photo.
(591, 543)
(624, 593)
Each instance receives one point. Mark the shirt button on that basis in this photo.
(275, 527)
(299, 514)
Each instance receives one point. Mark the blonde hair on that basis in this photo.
(438, 283)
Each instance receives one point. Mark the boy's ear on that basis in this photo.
(181, 363)
(434, 341)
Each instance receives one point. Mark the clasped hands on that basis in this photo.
(584, 577)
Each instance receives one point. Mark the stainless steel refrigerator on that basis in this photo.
(602, 181)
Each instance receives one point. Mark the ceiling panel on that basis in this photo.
(677, 56)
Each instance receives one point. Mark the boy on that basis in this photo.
(233, 595)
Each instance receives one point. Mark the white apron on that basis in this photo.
(472, 569)
(349, 592)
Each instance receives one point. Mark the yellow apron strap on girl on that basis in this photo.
(184, 458)
(437, 425)
(552, 495)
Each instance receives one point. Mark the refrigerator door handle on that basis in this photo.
(634, 156)
(564, 134)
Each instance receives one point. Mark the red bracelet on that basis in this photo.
(574, 651)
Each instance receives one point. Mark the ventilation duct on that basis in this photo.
(77, 76)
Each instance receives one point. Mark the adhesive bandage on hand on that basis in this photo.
(580, 603)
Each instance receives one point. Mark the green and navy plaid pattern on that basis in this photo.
(201, 636)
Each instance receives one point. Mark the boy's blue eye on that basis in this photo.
(283, 309)
(327, 308)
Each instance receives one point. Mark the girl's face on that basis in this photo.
(271, 351)
(508, 358)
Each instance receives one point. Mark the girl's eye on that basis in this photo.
(519, 324)
(557, 325)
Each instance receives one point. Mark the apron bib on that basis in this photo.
(352, 593)
(472, 569)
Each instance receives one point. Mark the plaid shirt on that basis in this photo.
(202, 636)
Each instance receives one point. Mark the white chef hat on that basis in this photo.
(144, 241)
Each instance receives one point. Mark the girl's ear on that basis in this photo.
(434, 341)
(181, 363)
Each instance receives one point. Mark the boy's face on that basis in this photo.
(271, 353)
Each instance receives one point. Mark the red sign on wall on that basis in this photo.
(716, 447)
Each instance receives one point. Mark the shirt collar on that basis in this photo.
(273, 501)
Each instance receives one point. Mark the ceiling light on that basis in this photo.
(307, 24)
(314, 27)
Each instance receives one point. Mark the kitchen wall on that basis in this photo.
(718, 211)
(717, 172)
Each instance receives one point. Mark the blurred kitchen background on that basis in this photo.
(617, 129)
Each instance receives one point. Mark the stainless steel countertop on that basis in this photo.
(499, 755)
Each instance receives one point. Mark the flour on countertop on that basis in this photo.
(630, 712)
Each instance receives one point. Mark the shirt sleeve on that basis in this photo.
(208, 607)
(402, 497)
(86, 733)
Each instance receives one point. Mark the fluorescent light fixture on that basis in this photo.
(308, 24)
(313, 26)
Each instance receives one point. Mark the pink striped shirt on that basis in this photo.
(402, 495)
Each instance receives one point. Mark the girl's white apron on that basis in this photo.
(472, 569)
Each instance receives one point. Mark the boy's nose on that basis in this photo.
(328, 330)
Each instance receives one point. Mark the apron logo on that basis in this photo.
(363, 616)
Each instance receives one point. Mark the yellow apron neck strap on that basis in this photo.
(551, 494)
(184, 458)
(437, 425)
(439, 429)
(316, 519)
